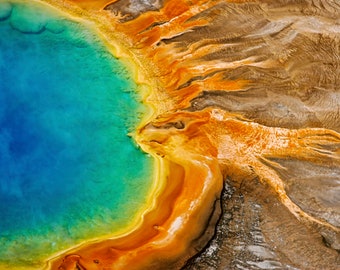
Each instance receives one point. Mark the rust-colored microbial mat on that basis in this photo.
(245, 127)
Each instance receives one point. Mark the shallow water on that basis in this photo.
(67, 167)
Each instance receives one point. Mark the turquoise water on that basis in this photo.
(68, 171)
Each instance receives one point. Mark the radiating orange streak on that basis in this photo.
(185, 95)
(93, 4)
(217, 82)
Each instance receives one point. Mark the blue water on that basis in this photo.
(68, 171)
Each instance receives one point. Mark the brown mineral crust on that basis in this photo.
(257, 232)
(130, 9)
